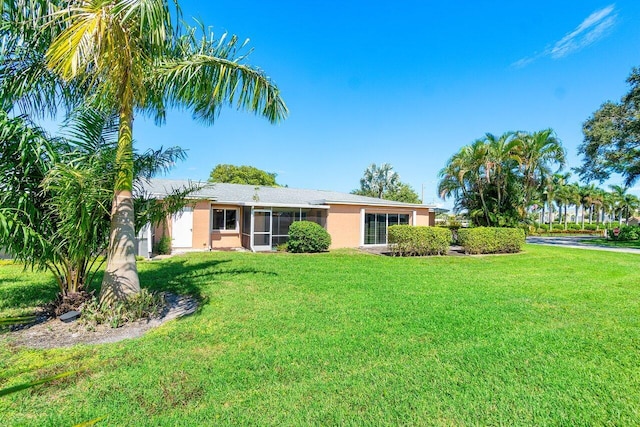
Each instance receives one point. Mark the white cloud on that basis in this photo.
(592, 29)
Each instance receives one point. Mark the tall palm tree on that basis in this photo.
(128, 56)
(590, 197)
(631, 203)
(562, 196)
(500, 157)
(465, 177)
(575, 199)
(537, 153)
(618, 193)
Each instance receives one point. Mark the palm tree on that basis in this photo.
(563, 196)
(465, 177)
(620, 198)
(589, 198)
(127, 57)
(499, 162)
(54, 210)
(537, 153)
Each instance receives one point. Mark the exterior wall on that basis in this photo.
(344, 222)
(225, 239)
(201, 225)
(424, 217)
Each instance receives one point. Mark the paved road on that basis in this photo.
(577, 242)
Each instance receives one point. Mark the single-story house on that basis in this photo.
(226, 216)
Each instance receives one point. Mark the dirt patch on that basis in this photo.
(52, 333)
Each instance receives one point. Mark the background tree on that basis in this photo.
(128, 56)
(378, 180)
(383, 182)
(242, 175)
(612, 138)
(403, 193)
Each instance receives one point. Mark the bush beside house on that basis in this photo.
(307, 236)
(491, 240)
(405, 240)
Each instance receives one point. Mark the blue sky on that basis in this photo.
(407, 83)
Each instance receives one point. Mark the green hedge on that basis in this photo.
(307, 236)
(407, 240)
(491, 240)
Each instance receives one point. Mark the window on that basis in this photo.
(224, 219)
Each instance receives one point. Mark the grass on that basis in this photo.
(616, 243)
(545, 337)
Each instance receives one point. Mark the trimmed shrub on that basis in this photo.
(407, 240)
(163, 246)
(307, 236)
(491, 240)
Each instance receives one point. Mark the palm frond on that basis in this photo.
(205, 74)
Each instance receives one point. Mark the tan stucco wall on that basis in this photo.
(424, 217)
(343, 222)
(215, 239)
(201, 225)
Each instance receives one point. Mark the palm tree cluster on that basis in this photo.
(123, 57)
(57, 193)
(590, 204)
(497, 179)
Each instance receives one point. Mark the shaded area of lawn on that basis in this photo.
(616, 243)
(545, 337)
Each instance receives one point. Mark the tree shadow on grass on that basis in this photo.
(23, 293)
(185, 277)
(180, 276)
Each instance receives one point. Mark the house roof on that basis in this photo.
(252, 195)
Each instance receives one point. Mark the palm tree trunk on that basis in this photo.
(566, 225)
(121, 274)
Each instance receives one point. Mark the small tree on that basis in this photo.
(242, 175)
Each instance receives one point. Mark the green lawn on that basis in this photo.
(616, 244)
(550, 336)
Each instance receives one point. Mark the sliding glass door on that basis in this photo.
(375, 226)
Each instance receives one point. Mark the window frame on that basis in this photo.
(224, 219)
